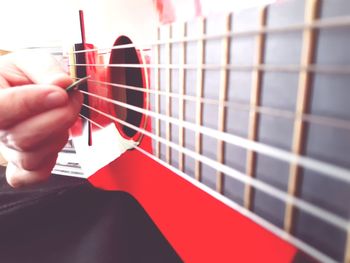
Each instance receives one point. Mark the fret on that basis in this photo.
(302, 105)
(274, 192)
(182, 90)
(225, 53)
(291, 68)
(347, 247)
(242, 106)
(199, 95)
(326, 23)
(157, 96)
(253, 160)
(168, 48)
(253, 115)
(72, 60)
(325, 169)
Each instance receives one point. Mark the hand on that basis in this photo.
(35, 115)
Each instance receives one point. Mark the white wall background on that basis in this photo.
(55, 22)
(25, 23)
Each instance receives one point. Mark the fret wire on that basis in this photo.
(302, 105)
(323, 168)
(313, 164)
(255, 102)
(72, 60)
(347, 246)
(316, 119)
(182, 90)
(199, 95)
(325, 23)
(168, 49)
(313, 252)
(157, 96)
(222, 113)
(259, 220)
(220, 105)
(309, 208)
(321, 69)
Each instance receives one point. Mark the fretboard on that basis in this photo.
(253, 107)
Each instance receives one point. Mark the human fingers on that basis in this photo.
(18, 177)
(34, 131)
(22, 68)
(34, 160)
(26, 101)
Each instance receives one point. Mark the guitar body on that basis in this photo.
(199, 227)
(198, 219)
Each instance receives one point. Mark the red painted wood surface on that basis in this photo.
(199, 227)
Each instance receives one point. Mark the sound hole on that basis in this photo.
(130, 77)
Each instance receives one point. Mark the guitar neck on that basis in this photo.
(275, 79)
(250, 107)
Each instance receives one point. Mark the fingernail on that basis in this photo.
(55, 99)
(60, 79)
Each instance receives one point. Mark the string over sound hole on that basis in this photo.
(121, 76)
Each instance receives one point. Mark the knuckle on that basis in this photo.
(21, 106)
(14, 181)
(27, 106)
(21, 160)
(3, 136)
(18, 177)
(23, 145)
(41, 161)
(9, 140)
(25, 162)
(18, 143)
(13, 178)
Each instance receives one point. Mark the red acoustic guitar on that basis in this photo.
(232, 131)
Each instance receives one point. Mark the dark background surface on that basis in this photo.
(67, 220)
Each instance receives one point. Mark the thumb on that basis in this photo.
(45, 70)
(26, 101)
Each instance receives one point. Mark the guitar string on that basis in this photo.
(311, 118)
(334, 69)
(312, 209)
(256, 218)
(324, 23)
(323, 168)
(89, 120)
(345, 73)
(237, 207)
